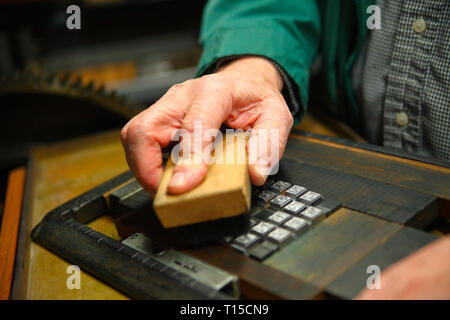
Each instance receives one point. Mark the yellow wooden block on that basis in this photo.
(225, 192)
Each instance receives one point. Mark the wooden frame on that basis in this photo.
(10, 228)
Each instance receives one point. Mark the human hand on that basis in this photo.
(245, 94)
(425, 274)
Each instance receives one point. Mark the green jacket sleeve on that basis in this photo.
(285, 31)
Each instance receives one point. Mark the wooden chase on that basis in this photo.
(387, 199)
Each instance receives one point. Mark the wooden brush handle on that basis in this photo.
(225, 192)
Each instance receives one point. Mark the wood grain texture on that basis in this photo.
(63, 171)
(60, 172)
(332, 247)
(10, 228)
(257, 281)
(401, 244)
(225, 192)
(414, 175)
(380, 199)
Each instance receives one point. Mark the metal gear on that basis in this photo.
(41, 83)
(38, 108)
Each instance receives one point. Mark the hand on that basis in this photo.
(424, 274)
(244, 94)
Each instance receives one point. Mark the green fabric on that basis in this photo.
(285, 31)
(291, 32)
(344, 25)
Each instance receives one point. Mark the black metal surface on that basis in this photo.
(380, 199)
(145, 220)
(126, 269)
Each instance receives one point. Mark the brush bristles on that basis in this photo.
(145, 220)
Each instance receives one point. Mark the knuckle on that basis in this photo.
(173, 90)
(286, 113)
(133, 133)
(179, 87)
(124, 134)
(189, 123)
(290, 118)
(138, 131)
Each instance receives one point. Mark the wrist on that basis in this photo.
(256, 67)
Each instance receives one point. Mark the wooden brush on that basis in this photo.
(216, 208)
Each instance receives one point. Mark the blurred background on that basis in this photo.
(57, 83)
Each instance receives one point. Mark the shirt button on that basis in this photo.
(419, 25)
(402, 119)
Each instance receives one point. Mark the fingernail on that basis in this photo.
(261, 172)
(262, 165)
(177, 179)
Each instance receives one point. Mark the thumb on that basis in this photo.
(190, 157)
(267, 142)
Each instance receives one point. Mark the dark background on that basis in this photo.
(136, 49)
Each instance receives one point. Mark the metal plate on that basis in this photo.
(207, 274)
(280, 201)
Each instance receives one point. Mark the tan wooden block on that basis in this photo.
(225, 192)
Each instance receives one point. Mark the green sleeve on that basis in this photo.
(285, 31)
